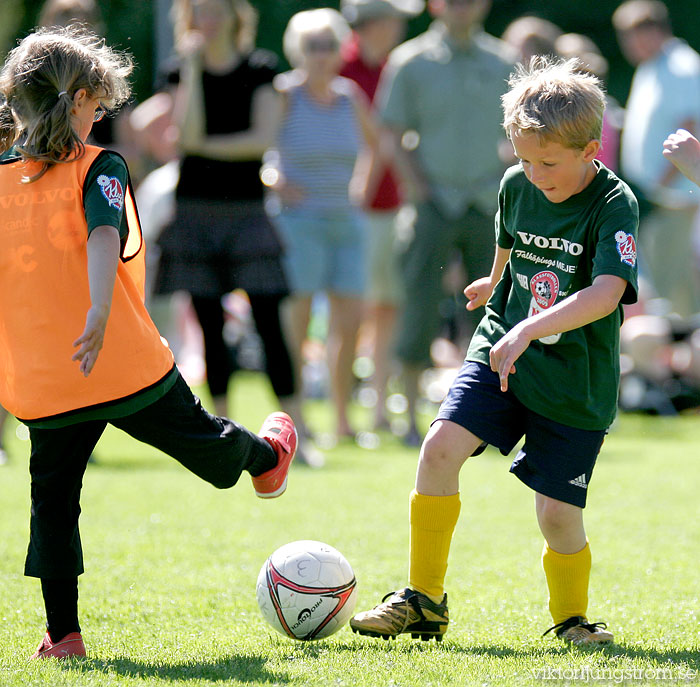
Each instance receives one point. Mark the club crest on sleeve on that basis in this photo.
(627, 248)
(112, 190)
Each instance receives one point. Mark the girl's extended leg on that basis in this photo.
(216, 449)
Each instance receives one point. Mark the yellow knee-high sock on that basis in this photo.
(433, 520)
(567, 579)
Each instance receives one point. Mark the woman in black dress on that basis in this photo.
(221, 240)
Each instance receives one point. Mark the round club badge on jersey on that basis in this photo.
(544, 287)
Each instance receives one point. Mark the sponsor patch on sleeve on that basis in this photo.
(112, 190)
(627, 248)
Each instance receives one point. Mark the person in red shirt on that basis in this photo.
(378, 27)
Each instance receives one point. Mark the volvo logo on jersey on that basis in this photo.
(553, 243)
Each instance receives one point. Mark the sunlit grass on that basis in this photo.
(168, 597)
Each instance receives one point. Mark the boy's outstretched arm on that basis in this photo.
(103, 258)
(683, 150)
(480, 290)
(581, 308)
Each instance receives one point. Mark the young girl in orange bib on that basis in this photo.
(78, 349)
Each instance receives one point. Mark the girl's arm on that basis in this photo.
(581, 308)
(103, 248)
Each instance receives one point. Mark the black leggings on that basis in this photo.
(266, 314)
(215, 449)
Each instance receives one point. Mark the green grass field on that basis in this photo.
(168, 597)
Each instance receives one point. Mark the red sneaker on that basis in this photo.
(279, 431)
(70, 645)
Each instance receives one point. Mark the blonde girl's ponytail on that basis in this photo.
(39, 80)
(51, 138)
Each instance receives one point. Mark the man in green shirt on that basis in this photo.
(440, 94)
(544, 361)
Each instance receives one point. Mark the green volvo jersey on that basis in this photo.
(558, 249)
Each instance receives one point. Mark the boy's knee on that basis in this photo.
(438, 453)
(554, 514)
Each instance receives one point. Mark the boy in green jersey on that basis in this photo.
(544, 361)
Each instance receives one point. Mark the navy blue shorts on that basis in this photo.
(556, 460)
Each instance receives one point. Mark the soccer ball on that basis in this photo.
(306, 590)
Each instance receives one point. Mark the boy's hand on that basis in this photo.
(683, 150)
(506, 351)
(92, 338)
(478, 292)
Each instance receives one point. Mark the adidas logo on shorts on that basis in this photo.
(579, 481)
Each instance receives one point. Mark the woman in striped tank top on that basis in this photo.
(320, 171)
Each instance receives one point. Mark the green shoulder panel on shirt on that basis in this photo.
(103, 193)
(557, 249)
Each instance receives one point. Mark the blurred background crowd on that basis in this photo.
(317, 184)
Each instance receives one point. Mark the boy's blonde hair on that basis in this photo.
(556, 100)
(38, 82)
